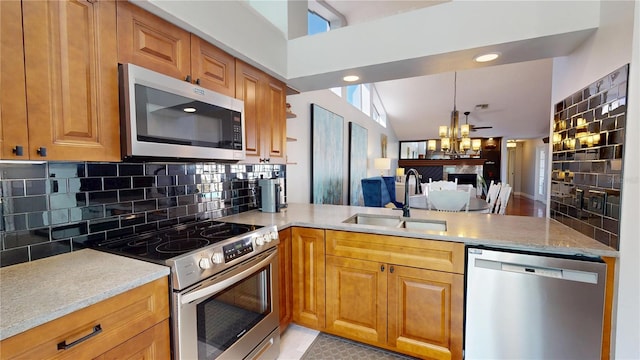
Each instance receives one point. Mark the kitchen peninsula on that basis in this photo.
(370, 275)
(513, 232)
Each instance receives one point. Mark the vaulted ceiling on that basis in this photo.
(514, 99)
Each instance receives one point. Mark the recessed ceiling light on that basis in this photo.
(351, 78)
(487, 57)
(189, 110)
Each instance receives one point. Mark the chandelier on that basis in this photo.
(454, 139)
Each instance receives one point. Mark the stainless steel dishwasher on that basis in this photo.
(533, 306)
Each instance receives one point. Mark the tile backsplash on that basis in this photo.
(50, 208)
(588, 144)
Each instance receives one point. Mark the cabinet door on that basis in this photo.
(151, 42)
(425, 312)
(212, 68)
(151, 344)
(308, 277)
(248, 89)
(276, 121)
(72, 79)
(286, 283)
(13, 97)
(357, 299)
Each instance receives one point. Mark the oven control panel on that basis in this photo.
(237, 249)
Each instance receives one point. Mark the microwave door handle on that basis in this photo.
(221, 285)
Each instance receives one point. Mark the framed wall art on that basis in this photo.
(327, 167)
(358, 140)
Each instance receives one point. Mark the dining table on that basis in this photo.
(475, 203)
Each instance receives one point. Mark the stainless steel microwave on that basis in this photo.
(164, 117)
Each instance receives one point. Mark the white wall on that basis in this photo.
(528, 149)
(299, 152)
(627, 327)
(610, 48)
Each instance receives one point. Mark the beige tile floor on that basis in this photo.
(295, 341)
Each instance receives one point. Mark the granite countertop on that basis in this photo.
(502, 231)
(36, 292)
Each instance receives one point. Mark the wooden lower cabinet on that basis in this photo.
(286, 283)
(132, 325)
(410, 310)
(425, 311)
(149, 345)
(384, 291)
(308, 265)
(357, 299)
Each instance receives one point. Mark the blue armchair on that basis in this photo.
(379, 191)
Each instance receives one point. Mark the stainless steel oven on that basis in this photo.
(224, 286)
(233, 315)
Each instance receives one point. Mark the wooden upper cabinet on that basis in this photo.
(71, 80)
(212, 68)
(248, 89)
(264, 113)
(13, 96)
(151, 42)
(276, 119)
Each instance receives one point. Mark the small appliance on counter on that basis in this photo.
(269, 199)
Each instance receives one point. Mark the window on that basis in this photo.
(366, 99)
(316, 23)
(353, 96)
(377, 109)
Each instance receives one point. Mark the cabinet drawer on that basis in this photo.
(120, 318)
(427, 254)
(152, 344)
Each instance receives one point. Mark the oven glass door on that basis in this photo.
(229, 317)
(163, 117)
(226, 316)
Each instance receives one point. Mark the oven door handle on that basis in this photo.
(223, 284)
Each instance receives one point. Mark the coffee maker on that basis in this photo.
(269, 195)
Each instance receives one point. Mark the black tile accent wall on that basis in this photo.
(588, 146)
(52, 208)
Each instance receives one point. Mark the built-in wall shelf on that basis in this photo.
(290, 139)
(291, 115)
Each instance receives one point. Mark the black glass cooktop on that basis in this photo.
(165, 244)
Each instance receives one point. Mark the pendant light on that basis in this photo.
(449, 140)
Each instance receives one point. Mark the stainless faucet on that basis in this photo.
(405, 207)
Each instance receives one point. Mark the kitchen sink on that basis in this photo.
(419, 224)
(372, 219)
(397, 222)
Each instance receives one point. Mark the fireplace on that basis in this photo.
(471, 179)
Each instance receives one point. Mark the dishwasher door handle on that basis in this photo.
(564, 274)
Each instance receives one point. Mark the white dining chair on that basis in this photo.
(503, 199)
(442, 185)
(492, 195)
(449, 200)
